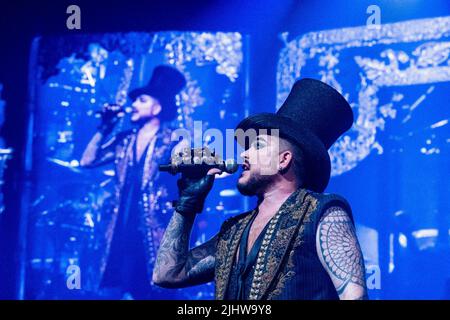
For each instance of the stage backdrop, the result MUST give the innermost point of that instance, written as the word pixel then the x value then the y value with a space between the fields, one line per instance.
pixel 393 165
pixel 64 216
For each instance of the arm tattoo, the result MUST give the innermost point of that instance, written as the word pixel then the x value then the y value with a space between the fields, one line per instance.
pixel 340 254
pixel 98 153
pixel 175 265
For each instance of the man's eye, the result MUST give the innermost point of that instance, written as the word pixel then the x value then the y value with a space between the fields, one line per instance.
pixel 259 145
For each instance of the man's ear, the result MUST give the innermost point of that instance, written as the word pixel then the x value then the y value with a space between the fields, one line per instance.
pixel 156 108
pixel 286 158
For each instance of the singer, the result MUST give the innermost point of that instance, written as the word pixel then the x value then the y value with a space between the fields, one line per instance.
pixel 138 216
pixel 298 243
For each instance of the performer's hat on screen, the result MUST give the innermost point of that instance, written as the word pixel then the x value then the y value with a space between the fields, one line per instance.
pixel 166 82
pixel 313 116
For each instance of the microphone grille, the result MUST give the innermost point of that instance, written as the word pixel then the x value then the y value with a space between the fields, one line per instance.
pixel 231 166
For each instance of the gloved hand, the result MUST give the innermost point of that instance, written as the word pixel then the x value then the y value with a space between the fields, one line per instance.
pixel 109 117
pixel 192 193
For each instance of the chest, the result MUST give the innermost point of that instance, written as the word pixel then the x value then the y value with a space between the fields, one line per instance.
pixel 141 144
pixel 255 231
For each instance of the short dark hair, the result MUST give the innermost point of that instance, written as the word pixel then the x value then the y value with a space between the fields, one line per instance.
pixel 298 159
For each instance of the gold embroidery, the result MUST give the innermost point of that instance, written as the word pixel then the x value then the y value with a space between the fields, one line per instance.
pixel 275 244
pixel 260 277
pixel 226 251
pixel 280 241
pixel 309 203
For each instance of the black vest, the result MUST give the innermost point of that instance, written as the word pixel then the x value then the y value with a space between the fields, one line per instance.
pixel 287 266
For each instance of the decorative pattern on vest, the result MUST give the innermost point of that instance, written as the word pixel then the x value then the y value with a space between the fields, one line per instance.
pixel 279 271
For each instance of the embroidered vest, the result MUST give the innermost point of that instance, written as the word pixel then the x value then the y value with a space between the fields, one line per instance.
pixel 287 266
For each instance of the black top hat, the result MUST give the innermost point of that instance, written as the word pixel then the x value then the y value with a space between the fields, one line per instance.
pixel 166 82
pixel 313 116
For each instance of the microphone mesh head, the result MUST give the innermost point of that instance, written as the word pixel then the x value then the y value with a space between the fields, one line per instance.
pixel 231 166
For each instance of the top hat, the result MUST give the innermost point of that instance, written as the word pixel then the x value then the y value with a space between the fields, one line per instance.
pixel 313 117
pixel 166 82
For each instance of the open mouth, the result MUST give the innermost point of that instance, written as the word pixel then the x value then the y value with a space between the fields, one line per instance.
pixel 245 167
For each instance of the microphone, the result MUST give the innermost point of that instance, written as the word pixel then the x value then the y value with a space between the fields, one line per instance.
pixel 199 169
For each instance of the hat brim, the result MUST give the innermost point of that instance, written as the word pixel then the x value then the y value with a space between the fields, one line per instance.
pixel 317 162
pixel 169 107
pixel 134 94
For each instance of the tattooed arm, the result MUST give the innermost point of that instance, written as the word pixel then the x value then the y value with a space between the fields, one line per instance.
pixel 177 266
pixel 339 252
pixel 97 152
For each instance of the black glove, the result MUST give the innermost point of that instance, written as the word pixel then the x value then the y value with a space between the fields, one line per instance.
pixel 109 117
pixel 192 194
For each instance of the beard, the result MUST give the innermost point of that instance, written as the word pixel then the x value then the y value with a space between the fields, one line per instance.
pixel 255 185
